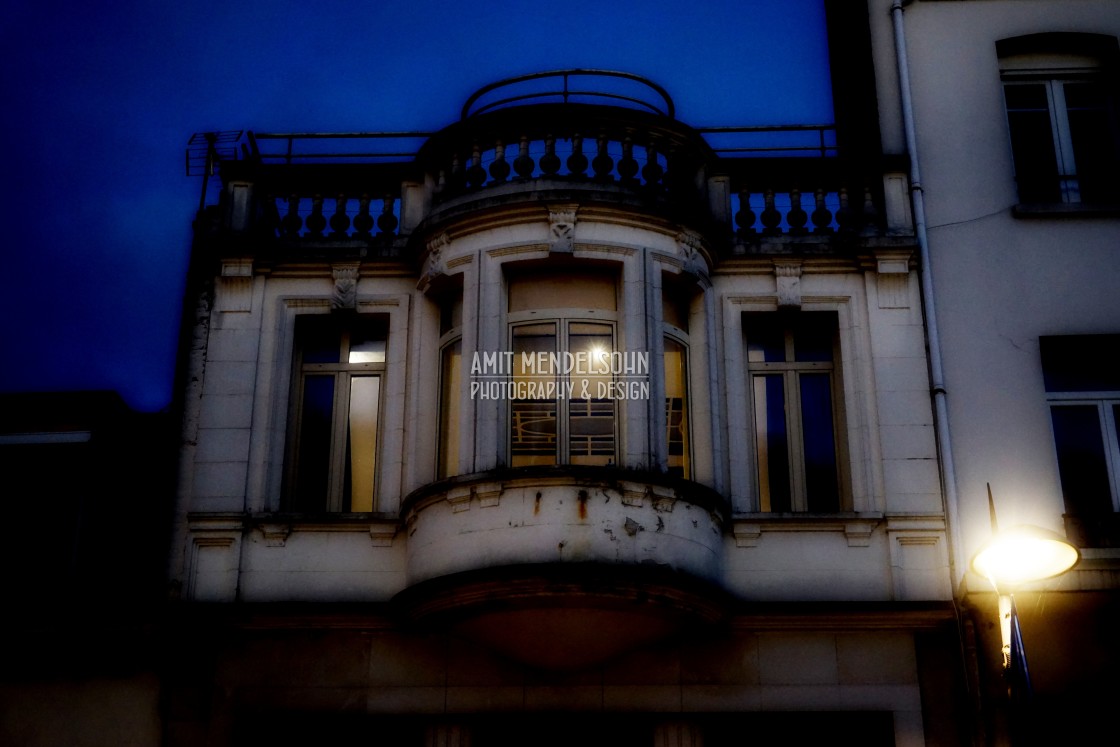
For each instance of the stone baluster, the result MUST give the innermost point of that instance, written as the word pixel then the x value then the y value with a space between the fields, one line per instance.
pixel 387 222
pixel 458 180
pixel 523 164
pixel 363 221
pixel 292 222
pixel 316 222
pixel 652 171
pixel 577 162
pixel 476 175
pixel 822 216
pixel 771 218
pixel 844 213
pixel 603 164
pixel 796 217
pixel 627 165
pixel 340 221
pixel 550 162
pixel 499 168
pixel 744 216
pixel 870 217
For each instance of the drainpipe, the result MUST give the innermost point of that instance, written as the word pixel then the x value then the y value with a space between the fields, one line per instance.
pixel 937 374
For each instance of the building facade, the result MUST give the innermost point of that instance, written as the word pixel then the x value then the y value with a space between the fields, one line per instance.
pixel 576 424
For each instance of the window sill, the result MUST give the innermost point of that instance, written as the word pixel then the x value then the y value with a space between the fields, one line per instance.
pixel 276 528
pixel 857 527
pixel 1064 210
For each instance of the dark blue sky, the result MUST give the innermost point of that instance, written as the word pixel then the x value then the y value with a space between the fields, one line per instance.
pixel 100 99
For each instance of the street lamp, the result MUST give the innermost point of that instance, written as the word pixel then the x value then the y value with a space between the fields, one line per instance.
pixel 1013 557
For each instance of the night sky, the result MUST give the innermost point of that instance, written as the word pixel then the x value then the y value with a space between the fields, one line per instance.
pixel 101 98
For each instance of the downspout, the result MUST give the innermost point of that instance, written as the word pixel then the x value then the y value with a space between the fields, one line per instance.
pixel 937 374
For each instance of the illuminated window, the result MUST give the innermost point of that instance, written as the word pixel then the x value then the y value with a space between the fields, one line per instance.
pixel 791 361
pixel 340 362
pixel 674 317
pixel 562 334
pixel 1062 117
pixel 1083 388
pixel 676 406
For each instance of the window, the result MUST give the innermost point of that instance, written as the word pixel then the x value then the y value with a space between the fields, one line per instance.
pixel 562 333
pixel 791 364
pixel 1083 389
pixel 340 362
pixel 1059 90
pixel 674 317
pixel 450 381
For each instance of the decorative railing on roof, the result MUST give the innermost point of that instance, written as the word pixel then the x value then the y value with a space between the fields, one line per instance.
pixel 592 129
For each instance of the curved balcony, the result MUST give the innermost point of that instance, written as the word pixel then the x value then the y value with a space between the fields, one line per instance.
pixel 593 561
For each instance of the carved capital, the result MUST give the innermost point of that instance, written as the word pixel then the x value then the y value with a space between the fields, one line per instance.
pixel 788 283
pixel 561 228
pixel 435 265
pixel 747 535
pixel 634 493
pixel 689 246
pixel 345 294
pixel 381 535
pixel 488 493
pixel 275 535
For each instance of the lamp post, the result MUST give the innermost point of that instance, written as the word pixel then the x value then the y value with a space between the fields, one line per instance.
pixel 1011 558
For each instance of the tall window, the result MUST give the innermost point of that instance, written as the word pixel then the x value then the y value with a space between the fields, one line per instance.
pixel 674 316
pixel 791 361
pixel 340 361
pixel 450 381
pixel 1062 117
pixel 562 333
pixel 1083 388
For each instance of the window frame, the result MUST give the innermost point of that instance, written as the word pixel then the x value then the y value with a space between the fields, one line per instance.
pixel 790 371
pixel 343 373
pixel 1054 61
pixel 563 319
pixel 1106 404
pixel 676 335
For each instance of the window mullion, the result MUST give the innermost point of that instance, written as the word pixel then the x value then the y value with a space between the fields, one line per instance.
pixel 341 422
pixel 798 499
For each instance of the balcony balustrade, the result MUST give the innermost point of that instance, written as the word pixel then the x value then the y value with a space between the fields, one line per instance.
pixel 742 186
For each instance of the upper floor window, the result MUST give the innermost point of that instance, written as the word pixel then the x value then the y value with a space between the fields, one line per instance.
pixel 791 362
pixel 557 318
pixel 336 394
pixel 1060 95
pixel 1083 389
pixel 450 381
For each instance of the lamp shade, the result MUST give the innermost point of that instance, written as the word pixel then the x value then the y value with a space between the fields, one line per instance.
pixel 1022 554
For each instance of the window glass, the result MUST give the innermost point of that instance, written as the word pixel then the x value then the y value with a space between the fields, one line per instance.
pixel 676 407
pixel 1082 378
pixel 792 369
pixel 450 382
pixel 337 384
pixel 1061 114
